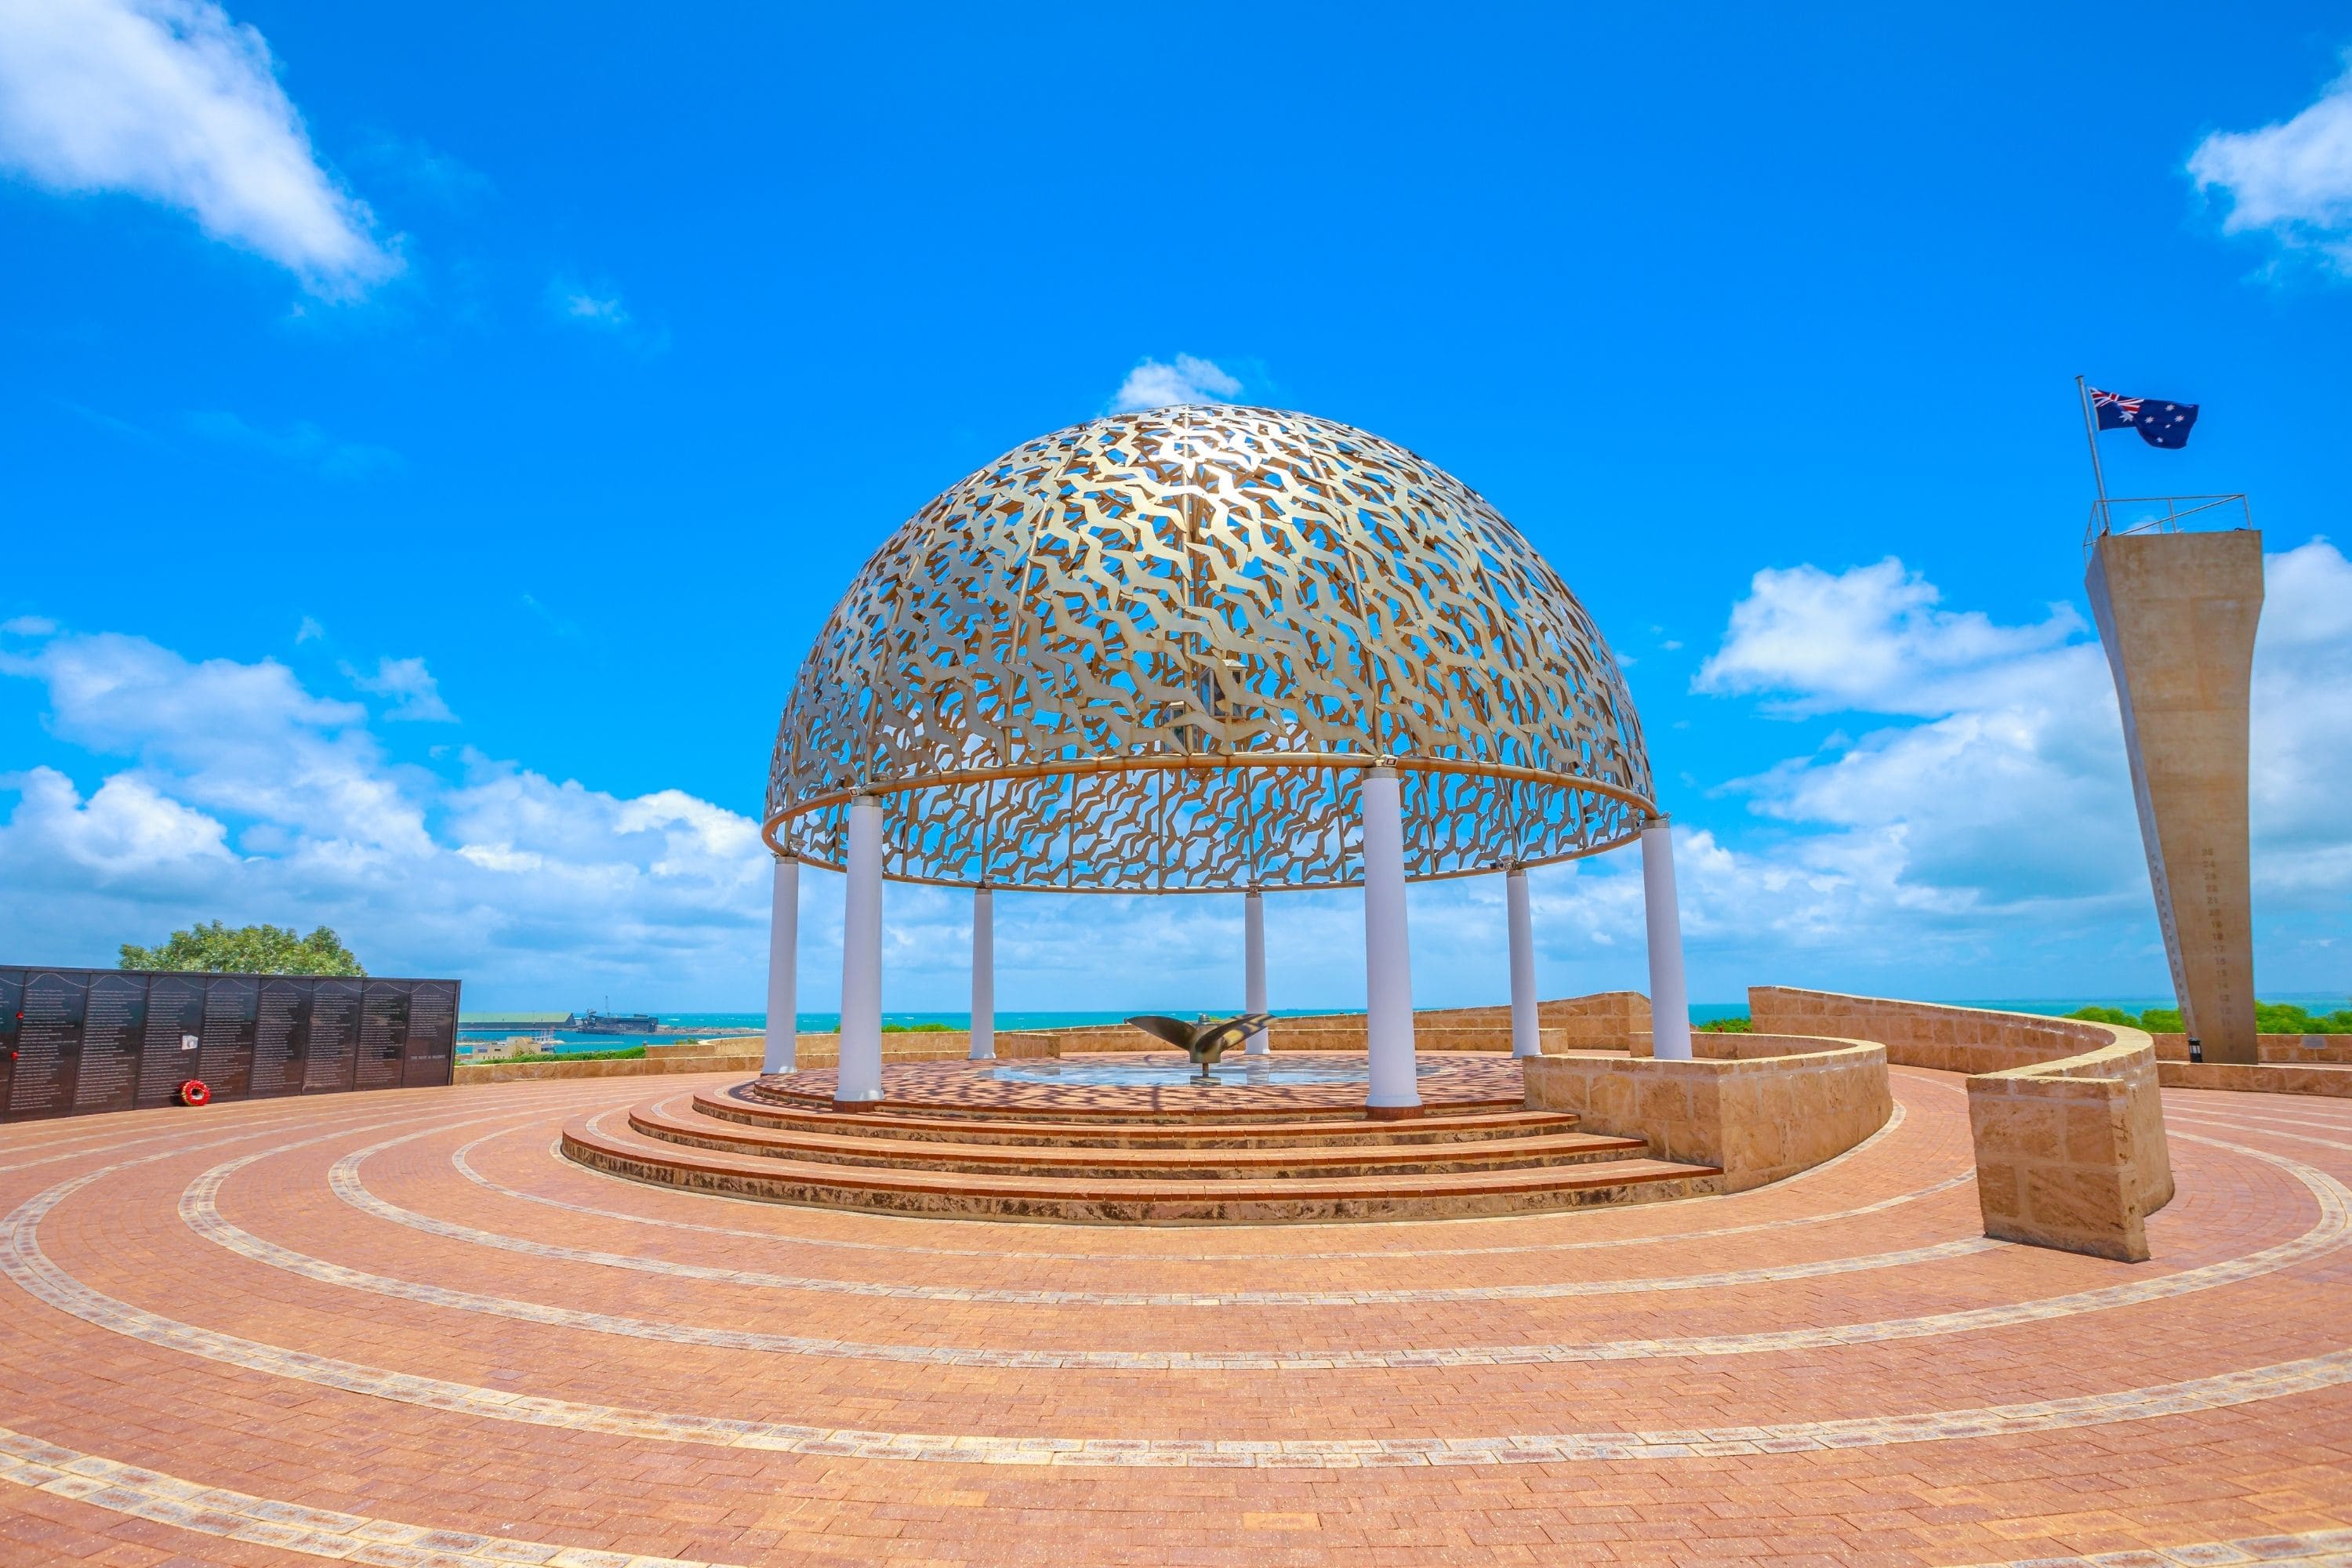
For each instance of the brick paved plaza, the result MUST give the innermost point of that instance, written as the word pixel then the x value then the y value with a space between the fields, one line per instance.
pixel 401 1330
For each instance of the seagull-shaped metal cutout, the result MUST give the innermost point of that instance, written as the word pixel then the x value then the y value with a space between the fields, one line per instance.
pixel 1205 1041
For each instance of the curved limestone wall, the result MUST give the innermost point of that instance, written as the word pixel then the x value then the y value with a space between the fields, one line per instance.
pixel 2072 1154
pixel 1759 1108
pixel 2067 1116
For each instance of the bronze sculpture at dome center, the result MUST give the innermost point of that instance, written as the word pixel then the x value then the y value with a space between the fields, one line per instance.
pixel 1204 1042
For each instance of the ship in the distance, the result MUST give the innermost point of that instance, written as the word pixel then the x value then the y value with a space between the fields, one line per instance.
pixel 595 1023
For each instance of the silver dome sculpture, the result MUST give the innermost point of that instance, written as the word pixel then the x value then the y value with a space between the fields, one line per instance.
pixel 1154 652
pixel 1207 649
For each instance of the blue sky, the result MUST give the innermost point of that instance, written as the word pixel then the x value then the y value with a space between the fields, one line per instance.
pixel 431 439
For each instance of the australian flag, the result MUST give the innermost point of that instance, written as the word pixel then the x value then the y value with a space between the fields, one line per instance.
pixel 2158 423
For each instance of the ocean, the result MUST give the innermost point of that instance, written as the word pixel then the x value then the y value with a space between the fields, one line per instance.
pixel 1701 1013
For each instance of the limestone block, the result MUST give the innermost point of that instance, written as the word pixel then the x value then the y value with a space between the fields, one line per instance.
pixel 2061 1160
pixel 1757 1119
pixel 2284 1049
pixel 2000 1195
pixel 2328 1080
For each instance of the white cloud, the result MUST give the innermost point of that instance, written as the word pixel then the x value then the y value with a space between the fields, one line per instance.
pixel 172 100
pixel 417 693
pixel 561 626
pixel 597 310
pixel 1151 385
pixel 126 828
pixel 2012 790
pixel 1870 638
pixel 1997 826
pixel 239 738
pixel 1972 835
pixel 233 792
pixel 2293 179
pixel 2302 724
pixel 2022 799
pixel 309 630
pixel 301 443
pixel 28 626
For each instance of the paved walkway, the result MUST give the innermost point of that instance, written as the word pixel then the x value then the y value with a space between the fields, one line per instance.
pixel 396 1329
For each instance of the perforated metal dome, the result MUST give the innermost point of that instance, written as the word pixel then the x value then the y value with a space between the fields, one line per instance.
pixel 1154 652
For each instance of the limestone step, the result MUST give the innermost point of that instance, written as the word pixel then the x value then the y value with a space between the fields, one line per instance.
pixel 734 1105
pixel 772 1091
pixel 1531 1149
pixel 1130 1200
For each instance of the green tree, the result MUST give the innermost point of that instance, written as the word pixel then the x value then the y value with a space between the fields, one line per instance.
pixel 2286 1018
pixel 247 949
pixel 2270 1019
pixel 2281 1018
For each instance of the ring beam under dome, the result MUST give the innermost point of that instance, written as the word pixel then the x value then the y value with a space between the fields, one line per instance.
pixel 1154 652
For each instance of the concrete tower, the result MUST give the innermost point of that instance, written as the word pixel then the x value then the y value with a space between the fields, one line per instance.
pixel 2177 612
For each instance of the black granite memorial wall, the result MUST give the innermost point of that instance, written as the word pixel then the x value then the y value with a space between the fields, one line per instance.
pixel 334 1035
pixel 79 1040
pixel 167 1047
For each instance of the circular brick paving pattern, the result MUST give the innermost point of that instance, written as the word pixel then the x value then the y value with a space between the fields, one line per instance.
pixel 399 1328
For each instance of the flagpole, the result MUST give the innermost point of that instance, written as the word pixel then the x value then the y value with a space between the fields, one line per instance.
pixel 2091 433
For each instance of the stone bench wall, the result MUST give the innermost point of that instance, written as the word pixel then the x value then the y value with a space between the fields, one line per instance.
pixel 921 1046
pixel 1924 1033
pixel 2067 1115
pixel 1758 1107
pixel 1608 1020
pixel 1335 1032
pixel 2072 1154
pixel 2330 1079
pixel 640 1067
pixel 2295 1050
pixel 745 1053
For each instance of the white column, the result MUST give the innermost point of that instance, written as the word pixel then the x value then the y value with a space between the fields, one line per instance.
pixel 1669 1001
pixel 1254 965
pixel 983 974
pixel 1526 1028
pixel 860 1077
pixel 783 958
pixel 1388 958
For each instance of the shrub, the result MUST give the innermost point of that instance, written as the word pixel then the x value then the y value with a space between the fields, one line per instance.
pixel 2270 1019
pixel 248 950
pixel 2286 1018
